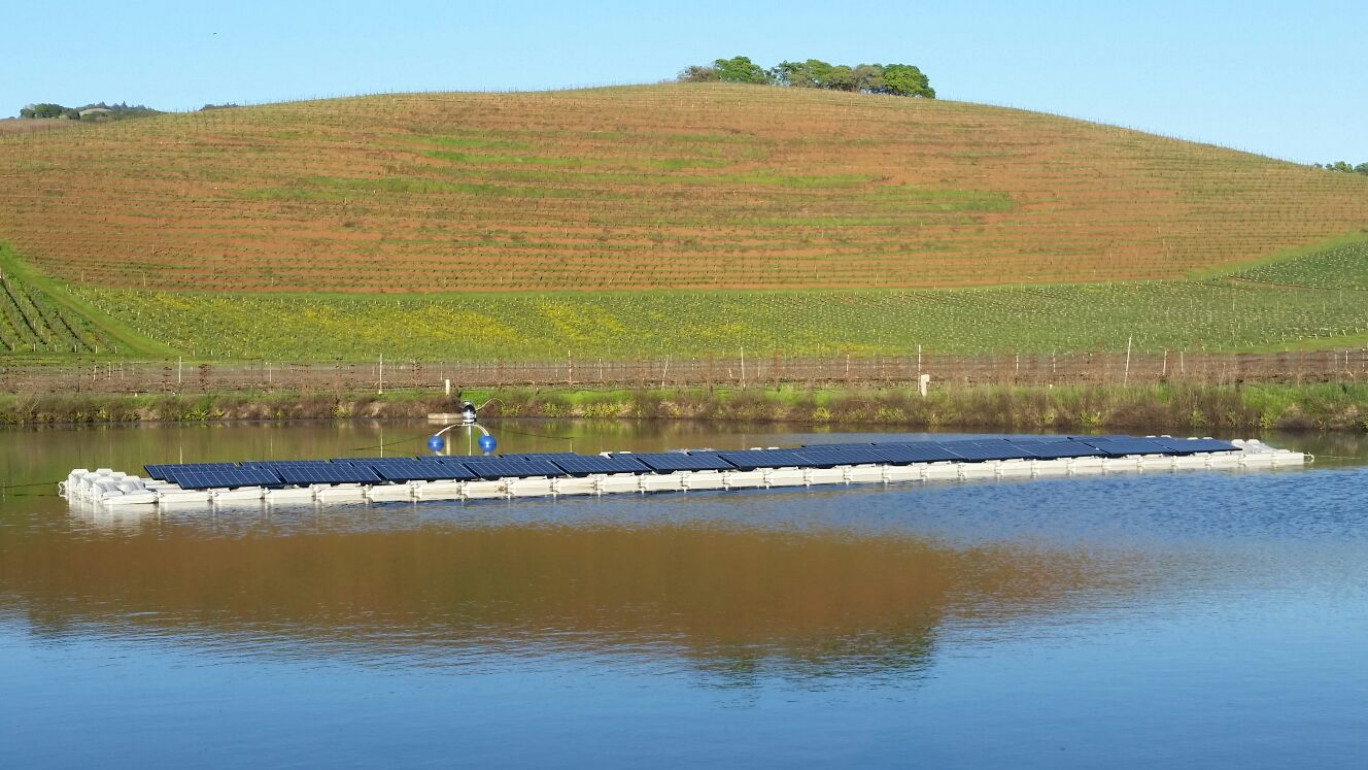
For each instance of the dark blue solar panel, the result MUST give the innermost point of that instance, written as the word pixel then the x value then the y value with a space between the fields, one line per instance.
pixel 166 472
pixel 427 472
pixel 370 460
pixel 214 479
pixel 409 469
pixel 552 456
pixel 1055 450
pixel 327 473
pixel 851 455
pixel 277 464
pixel 980 451
pixel 579 465
pixel 865 444
pixel 918 452
pixel 458 459
pixel 499 468
pixel 765 458
pixel 1120 447
pixel 1187 446
pixel 678 461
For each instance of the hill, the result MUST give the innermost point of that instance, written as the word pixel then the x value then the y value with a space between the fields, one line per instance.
pixel 675 219
pixel 669 186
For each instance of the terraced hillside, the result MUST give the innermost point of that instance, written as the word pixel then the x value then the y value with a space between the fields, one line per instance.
pixel 1317 299
pixel 657 187
pixel 38 321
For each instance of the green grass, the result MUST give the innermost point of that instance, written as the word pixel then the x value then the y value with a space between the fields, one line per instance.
pixel 1338 268
pixel 1314 299
pixel 1317 300
pixel 41 321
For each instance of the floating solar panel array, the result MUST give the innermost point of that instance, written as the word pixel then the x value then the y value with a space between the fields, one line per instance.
pixel 376 470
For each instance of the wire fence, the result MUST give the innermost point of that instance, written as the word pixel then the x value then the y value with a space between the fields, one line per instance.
pixel 180 377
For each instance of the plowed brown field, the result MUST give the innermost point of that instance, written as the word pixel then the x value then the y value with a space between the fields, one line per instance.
pixel 669 186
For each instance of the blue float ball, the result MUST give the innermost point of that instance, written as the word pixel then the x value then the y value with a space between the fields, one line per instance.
pixel 436 443
pixel 488 444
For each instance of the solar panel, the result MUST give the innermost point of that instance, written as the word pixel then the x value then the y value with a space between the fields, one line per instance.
pixel 165 472
pixel 919 452
pixel 981 451
pixel 499 468
pixel 1120 447
pixel 765 458
pixel 578 465
pixel 239 477
pixel 840 445
pixel 1187 446
pixel 1055 450
pixel 369 460
pixel 678 461
pixel 470 459
pixel 552 456
pixel 327 473
pixel 852 455
pixel 286 464
pixel 410 469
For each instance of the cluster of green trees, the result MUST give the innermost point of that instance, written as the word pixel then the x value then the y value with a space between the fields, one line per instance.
pixel 893 79
pixel 1343 167
pixel 90 112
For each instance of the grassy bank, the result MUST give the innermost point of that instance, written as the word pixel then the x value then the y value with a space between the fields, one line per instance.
pixel 1187 409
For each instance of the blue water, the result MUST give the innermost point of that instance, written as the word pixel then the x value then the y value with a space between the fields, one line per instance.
pixel 1193 619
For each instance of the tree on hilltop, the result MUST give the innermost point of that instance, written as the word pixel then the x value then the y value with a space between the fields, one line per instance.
pixel 740 69
pixel 907 80
pixel 1344 168
pixel 891 79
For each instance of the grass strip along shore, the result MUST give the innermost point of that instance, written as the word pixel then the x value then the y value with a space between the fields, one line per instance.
pixel 1184 408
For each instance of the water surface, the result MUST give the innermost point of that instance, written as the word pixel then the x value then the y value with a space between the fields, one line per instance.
pixel 1194 619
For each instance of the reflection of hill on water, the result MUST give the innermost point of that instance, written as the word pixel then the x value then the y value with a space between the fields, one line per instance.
pixel 729 600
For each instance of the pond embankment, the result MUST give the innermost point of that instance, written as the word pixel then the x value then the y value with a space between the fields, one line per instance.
pixel 1184 408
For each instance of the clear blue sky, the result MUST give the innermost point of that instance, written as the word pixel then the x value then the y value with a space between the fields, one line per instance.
pixel 1287 79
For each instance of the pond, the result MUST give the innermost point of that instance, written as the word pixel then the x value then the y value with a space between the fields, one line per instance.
pixel 1210 619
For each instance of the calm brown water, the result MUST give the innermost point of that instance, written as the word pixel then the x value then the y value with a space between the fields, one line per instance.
pixel 1198 619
